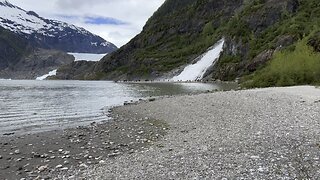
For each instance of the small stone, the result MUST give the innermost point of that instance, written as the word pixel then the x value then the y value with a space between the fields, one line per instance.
pixel 114 154
pixel 64 169
pixel 17 151
pixel 43 168
pixel 66 162
pixel 1 157
pixel 255 157
pixel 102 162
pixel 60 150
pixel 66 152
pixel 44 156
pixel 152 99
pixel 83 165
pixel 36 155
pixel 58 166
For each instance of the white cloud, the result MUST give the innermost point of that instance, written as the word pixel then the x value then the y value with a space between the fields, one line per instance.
pixel 134 13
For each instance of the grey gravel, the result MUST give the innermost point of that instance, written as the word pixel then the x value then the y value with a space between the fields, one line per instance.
pixel 255 134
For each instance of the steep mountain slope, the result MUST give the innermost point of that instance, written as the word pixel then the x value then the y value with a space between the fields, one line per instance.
pixel 20 60
pixel 12 48
pixel 254 31
pixel 51 34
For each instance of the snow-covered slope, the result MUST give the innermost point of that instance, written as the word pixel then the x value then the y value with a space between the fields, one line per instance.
pixel 51 34
pixel 51 73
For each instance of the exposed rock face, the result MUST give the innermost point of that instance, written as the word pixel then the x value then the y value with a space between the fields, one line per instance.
pixel 20 60
pixel 314 42
pixel 75 70
pixel 37 63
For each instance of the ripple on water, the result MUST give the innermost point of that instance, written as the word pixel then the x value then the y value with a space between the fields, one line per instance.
pixel 35 106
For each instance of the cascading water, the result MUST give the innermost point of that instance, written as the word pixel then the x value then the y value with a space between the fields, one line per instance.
pixel 194 72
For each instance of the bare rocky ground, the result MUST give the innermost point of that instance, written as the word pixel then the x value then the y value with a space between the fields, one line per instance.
pixel 44 155
pixel 255 134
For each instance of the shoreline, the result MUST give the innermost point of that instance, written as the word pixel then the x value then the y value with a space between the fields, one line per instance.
pixel 44 155
pixel 234 134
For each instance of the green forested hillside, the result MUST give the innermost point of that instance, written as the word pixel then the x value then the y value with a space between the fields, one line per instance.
pixel 256 31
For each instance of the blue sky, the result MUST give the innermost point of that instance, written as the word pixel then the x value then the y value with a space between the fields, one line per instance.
pixel 103 21
pixel 115 20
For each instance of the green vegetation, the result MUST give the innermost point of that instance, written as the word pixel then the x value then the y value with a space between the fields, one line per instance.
pixel 298 67
pixel 182 30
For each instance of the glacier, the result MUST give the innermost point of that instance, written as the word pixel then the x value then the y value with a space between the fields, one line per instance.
pixel 196 71
pixel 87 56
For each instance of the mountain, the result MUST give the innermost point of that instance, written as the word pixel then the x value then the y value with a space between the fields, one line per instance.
pixel 31 46
pixel 20 60
pixel 267 43
pixel 50 34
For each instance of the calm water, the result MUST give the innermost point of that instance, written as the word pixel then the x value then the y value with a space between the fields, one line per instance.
pixel 35 106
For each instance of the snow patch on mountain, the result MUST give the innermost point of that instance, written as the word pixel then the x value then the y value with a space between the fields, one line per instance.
pixel 51 73
pixel 18 20
pixel 50 33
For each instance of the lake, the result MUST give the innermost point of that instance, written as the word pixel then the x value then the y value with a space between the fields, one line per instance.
pixel 37 106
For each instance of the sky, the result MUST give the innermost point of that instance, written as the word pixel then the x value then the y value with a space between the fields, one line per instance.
pixel 117 21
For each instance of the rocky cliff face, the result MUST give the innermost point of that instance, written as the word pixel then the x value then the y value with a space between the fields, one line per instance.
pixel 20 60
pixel 36 64
pixel 182 30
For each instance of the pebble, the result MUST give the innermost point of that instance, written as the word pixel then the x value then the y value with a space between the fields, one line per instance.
pixel 83 166
pixel 64 169
pixel 43 168
pixel 102 162
pixel 1 157
pixel 58 166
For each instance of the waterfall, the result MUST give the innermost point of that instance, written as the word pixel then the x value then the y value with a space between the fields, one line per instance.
pixel 196 71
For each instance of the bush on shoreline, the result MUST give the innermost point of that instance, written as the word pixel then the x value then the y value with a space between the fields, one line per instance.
pixel 294 66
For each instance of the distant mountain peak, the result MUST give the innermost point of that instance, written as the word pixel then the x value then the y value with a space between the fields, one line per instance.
pixel 51 34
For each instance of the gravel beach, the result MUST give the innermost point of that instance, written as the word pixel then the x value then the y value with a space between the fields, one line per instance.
pixel 271 133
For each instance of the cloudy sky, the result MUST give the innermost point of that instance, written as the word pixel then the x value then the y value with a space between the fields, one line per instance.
pixel 115 20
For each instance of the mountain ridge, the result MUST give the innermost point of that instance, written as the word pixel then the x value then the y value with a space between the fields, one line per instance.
pixel 259 36
pixel 51 34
